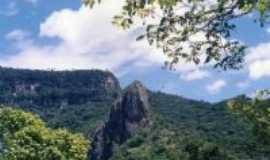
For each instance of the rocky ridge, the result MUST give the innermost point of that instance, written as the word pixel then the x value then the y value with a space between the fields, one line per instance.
pixel 130 112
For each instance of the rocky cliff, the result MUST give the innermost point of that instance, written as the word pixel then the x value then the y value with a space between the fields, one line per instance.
pixel 38 88
pixel 76 99
pixel 130 112
pixel 79 100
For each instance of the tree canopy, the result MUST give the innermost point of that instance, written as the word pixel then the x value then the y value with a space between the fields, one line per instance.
pixel 257 112
pixel 23 136
pixel 196 31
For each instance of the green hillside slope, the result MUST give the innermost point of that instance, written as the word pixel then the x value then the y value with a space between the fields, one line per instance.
pixel 180 128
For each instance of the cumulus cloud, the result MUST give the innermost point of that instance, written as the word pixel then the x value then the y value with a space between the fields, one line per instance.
pixel 215 87
pixel 195 75
pixel 258 61
pixel 87 39
pixel 259 69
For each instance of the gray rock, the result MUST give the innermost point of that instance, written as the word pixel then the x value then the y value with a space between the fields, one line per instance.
pixel 130 112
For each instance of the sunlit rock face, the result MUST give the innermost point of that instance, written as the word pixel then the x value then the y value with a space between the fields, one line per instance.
pixel 130 112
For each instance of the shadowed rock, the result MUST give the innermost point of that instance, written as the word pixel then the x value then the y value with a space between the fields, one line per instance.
pixel 129 113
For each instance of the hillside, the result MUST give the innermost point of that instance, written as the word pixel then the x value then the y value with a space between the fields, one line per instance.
pixel 72 99
pixel 212 122
pixel 131 123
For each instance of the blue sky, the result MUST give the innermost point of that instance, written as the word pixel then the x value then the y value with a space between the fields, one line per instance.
pixel 38 34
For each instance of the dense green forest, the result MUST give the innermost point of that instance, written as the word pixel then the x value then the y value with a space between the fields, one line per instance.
pixel 177 128
pixel 74 99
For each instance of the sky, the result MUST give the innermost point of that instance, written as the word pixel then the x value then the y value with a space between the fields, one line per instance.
pixel 64 35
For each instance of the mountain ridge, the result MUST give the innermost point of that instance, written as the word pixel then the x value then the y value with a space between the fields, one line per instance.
pixel 89 100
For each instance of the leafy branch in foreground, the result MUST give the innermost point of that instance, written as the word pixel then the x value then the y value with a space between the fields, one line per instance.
pixel 197 31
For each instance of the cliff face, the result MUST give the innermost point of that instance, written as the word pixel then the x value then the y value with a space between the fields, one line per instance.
pixel 129 113
pixel 79 100
pixel 39 88
pixel 76 100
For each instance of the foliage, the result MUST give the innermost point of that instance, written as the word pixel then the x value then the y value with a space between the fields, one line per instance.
pixel 172 25
pixel 25 137
pixel 214 123
pixel 164 144
pixel 256 112
pixel 153 147
pixel 180 124
pixel 58 97
pixel 56 88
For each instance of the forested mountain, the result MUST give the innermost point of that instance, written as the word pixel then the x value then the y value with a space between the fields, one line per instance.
pixel 132 123
pixel 73 99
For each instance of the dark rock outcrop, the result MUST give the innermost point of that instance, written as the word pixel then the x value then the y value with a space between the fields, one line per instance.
pixel 130 112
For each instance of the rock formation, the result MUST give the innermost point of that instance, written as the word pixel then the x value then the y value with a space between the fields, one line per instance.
pixel 130 112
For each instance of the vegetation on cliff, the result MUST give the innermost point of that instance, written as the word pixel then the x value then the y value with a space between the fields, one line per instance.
pixel 133 123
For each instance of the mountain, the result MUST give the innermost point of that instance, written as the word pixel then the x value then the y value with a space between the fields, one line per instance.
pixel 73 99
pixel 132 123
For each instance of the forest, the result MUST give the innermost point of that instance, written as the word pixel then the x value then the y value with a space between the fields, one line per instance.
pixel 135 80
pixel 179 128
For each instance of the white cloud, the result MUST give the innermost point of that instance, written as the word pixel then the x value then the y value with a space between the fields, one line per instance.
pixel 258 61
pixel 20 39
pixel 259 69
pixel 215 87
pixel 195 75
pixel 268 30
pixel 17 35
pixel 81 27
pixel 88 40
